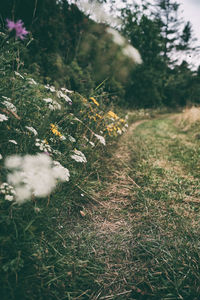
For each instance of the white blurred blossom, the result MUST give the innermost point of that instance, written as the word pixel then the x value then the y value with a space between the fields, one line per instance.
pixel 31 81
pixel 66 90
pixel 60 94
pixel 36 175
pixel 43 145
pixel 31 129
pixel 19 75
pixel 71 139
pixel 8 191
pixel 79 156
pixel 3 118
pixel 101 139
pixel 13 142
pixel 9 106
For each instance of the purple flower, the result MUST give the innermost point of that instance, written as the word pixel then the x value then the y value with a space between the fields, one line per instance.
pixel 19 29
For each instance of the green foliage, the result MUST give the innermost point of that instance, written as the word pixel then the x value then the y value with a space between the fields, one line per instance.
pixel 38 119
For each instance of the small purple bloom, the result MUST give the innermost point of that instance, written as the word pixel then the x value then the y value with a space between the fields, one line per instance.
pixel 19 29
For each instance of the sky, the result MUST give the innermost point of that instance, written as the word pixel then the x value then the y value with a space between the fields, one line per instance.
pixel 191 12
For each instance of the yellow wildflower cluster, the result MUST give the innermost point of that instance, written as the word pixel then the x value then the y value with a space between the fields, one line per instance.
pixel 55 131
pixel 112 115
pixel 94 101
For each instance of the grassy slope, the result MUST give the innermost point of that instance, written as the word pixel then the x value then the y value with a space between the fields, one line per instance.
pixel 139 236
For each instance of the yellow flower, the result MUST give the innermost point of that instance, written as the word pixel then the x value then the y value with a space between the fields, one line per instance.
pixel 111 114
pixel 45 141
pixel 55 131
pixel 94 101
pixel 98 116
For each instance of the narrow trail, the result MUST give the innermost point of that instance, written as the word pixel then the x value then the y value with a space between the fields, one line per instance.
pixel 139 238
pixel 146 196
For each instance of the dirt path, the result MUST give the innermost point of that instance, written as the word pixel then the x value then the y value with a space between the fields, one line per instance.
pixel 148 194
pixel 139 238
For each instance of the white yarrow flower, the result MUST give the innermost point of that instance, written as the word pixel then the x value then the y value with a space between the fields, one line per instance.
pixel 72 139
pixel 9 106
pixel 19 75
pixel 13 142
pixel 35 176
pixel 78 156
pixel 101 139
pixel 33 130
pixel 31 81
pixel 3 118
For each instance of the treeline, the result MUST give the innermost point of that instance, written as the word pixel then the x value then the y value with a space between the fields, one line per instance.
pixel 69 49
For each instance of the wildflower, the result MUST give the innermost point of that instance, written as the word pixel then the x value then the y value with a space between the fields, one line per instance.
pixel 3 118
pixel 21 31
pixel 53 104
pixel 13 162
pixel 19 75
pixel 101 139
pixel 9 197
pixel 1 156
pixel 72 139
pixel 94 101
pixel 32 130
pixel 9 106
pixel 51 88
pixel 112 115
pixel 6 98
pixel 79 156
pixel 13 141
pixel 8 191
pixel 31 81
pixel 43 145
pixel 92 144
pixel 60 172
pixel 60 94
pixel 66 90
pixel 36 175
pixel 54 130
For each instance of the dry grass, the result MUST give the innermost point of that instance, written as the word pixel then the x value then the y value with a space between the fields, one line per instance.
pixel 188 117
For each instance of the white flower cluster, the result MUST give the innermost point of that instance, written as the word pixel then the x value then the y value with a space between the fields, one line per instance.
pixel 12 141
pixel 31 81
pixel 18 74
pixel 9 106
pixel 52 104
pixel 66 90
pixel 91 143
pixel 71 139
pixel 3 118
pixel 43 146
pixel 51 88
pixel 79 156
pixel 101 139
pixel 34 175
pixel 60 94
pixel 8 191
pixel 31 129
